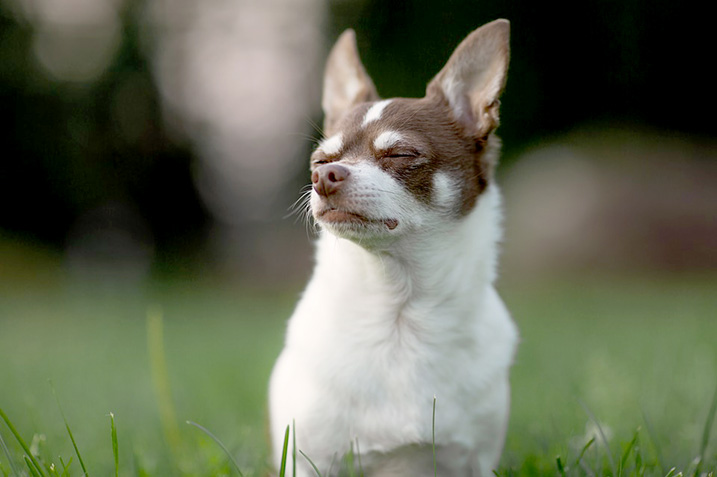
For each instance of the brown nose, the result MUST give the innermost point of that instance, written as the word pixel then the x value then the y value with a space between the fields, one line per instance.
pixel 328 178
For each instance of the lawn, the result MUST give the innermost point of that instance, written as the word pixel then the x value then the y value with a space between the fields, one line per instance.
pixel 632 357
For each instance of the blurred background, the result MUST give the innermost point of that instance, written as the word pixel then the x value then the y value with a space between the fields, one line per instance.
pixel 150 137
pixel 151 151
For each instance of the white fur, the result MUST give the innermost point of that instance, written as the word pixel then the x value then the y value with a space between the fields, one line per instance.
pixel 383 328
pixel 376 195
pixel 374 113
pixel 445 191
pixel 332 145
pixel 387 140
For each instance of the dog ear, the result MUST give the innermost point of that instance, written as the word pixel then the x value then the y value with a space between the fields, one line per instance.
pixel 474 77
pixel 346 82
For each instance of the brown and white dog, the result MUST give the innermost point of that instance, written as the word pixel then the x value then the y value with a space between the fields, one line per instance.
pixel 401 306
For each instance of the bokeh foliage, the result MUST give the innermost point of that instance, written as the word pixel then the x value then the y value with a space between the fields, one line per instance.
pixel 69 146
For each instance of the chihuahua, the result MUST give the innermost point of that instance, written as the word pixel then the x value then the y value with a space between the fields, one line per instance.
pixel 398 353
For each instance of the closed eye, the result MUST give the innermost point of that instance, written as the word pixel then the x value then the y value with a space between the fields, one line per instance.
pixel 399 152
pixel 318 158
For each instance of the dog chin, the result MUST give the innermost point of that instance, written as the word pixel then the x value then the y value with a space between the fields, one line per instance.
pixel 353 225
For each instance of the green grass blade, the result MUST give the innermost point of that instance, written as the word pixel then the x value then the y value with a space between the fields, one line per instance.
pixel 638 462
pixel 220 443
pixel 626 453
pixel 601 433
pixel 160 380
pixel 282 468
pixel 115 445
pixel 65 467
pixel 31 465
pixel 293 449
pixel 706 433
pixel 561 467
pixel 22 443
pixel 433 437
pixel 13 469
pixel 583 451
pixel 69 431
pixel 311 463
pixel 349 461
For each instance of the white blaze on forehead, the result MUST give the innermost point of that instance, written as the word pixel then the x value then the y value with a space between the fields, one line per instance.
pixel 445 190
pixel 332 145
pixel 387 140
pixel 375 111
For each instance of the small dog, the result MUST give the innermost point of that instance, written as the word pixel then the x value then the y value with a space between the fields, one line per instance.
pixel 401 306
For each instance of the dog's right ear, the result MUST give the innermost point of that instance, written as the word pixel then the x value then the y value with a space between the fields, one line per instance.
pixel 474 77
pixel 346 82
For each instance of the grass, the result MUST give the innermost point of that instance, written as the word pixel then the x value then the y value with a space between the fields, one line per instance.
pixel 613 377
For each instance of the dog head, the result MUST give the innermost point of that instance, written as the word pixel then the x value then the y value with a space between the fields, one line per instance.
pixel 396 166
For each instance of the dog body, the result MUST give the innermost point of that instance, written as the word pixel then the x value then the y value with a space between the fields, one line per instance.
pixel 401 306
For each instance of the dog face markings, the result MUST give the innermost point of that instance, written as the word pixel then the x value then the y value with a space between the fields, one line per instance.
pixel 374 113
pixel 331 146
pixel 411 140
pixel 445 191
pixel 386 140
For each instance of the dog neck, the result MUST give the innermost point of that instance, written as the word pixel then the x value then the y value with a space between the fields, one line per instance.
pixel 444 264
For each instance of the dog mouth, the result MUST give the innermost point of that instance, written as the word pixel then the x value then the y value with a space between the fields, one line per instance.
pixel 335 216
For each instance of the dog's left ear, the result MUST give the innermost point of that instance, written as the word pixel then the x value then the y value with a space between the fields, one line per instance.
pixel 346 82
pixel 474 77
